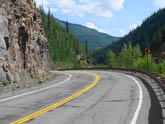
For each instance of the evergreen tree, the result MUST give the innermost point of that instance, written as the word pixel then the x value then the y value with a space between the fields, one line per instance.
pixel 86 50
pixel 63 47
pixel 67 26
pixel 163 35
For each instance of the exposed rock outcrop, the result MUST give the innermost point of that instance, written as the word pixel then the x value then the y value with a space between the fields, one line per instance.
pixel 23 45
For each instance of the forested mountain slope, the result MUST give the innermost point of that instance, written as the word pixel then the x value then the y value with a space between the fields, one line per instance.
pixel 63 46
pixel 95 39
pixel 151 34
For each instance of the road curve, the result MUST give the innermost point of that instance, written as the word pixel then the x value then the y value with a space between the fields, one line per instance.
pixel 115 99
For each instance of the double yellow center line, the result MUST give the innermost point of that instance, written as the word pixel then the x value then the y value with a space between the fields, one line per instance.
pixel 31 116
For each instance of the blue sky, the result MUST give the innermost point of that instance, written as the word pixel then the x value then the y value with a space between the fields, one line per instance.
pixel 115 17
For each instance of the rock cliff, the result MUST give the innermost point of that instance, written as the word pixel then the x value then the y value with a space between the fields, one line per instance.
pixel 23 45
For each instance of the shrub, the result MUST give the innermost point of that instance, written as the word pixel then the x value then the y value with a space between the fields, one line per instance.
pixel 162 66
pixel 22 74
pixel 5 82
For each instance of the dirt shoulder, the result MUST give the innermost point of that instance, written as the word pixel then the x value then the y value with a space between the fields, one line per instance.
pixel 28 84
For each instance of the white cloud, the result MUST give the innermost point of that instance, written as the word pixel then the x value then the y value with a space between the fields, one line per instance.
pixel 92 26
pixel 84 7
pixel 159 3
pixel 122 32
pixel 52 10
pixel 65 11
pixel 133 26
pixel 41 2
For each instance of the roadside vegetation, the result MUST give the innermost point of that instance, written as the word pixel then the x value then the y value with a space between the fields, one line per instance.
pixel 125 60
pixel 5 82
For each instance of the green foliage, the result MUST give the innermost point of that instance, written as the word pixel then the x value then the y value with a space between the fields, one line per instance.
pixel 162 66
pixel 125 60
pixel 137 52
pixel 163 75
pixel 67 26
pixel 142 63
pixel 63 65
pixel 36 77
pixel 99 66
pixel 47 72
pixel 5 82
pixel 79 64
pixel 86 50
pixel 110 59
pixel 63 47
pixel 22 74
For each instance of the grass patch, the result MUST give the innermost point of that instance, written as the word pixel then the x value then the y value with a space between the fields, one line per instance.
pixel 36 77
pixel 48 72
pixel 163 75
pixel 69 65
pixel 22 74
pixel 63 65
pixel 5 82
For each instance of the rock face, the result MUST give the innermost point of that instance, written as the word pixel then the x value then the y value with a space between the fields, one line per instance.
pixel 3 34
pixel 23 45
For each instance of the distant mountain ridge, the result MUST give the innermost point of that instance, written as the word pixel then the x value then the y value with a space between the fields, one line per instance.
pixel 95 39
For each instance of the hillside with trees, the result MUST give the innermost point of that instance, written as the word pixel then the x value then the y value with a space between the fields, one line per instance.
pixel 95 39
pixel 63 46
pixel 131 57
pixel 151 34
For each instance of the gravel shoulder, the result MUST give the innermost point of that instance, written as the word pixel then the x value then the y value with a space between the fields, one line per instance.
pixel 29 84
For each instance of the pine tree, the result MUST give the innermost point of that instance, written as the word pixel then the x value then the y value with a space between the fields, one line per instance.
pixel 49 23
pixel 67 26
pixel 63 47
pixel 86 50
pixel 49 16
pixel 163 35
pixel 41 9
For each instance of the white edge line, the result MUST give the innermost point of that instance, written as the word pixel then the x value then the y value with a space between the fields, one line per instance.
pixel 35 91
pixel 136 114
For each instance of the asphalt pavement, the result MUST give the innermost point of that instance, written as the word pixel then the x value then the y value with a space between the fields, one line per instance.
pixel 116 99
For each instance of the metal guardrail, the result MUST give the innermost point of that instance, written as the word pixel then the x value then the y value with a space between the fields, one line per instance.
pixel 150 74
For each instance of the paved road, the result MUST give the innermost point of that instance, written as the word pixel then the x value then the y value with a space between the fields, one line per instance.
pixel 116 99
